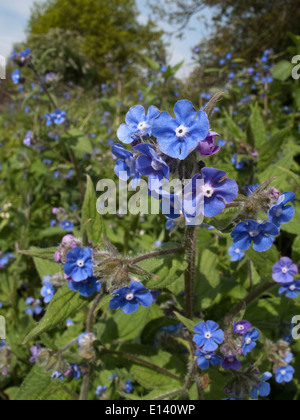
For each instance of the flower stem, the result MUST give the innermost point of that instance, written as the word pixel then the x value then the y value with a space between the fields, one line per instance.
pixel 191 249
pixel 157 254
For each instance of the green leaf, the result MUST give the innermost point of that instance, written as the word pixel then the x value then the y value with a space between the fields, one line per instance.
pixel 263 261
pixel 91 220
pixel 282 70
pixel 46 268
pixel 235 130
pixel 268 152
pixel 185 321
pixel 38 386
pixel 258 127
pixel 77 140
pixel 62 306
pixel 42 253
pixel 224 222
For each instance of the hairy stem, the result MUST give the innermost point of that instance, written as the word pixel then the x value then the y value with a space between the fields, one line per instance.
pixel 157 254
pixel 191 249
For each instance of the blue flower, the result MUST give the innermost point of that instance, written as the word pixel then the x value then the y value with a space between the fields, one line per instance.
pixel 284 271
pixel 179 137
pixel 47 291
pixel 264 389
pixel 58 117
pixel 75 370
pixel 128 387
pixel 16 76
pixel 79 265
pixel 241 327
pixel 205 359
pixel 231 363
pixel 235 253
pixel 238 165
pixel 152 165
pixel 262 235
pixel 125 168
pixel 208 336
pixel 86 288
pixel 291 291
pixel 217 191
pixel 66 225
pixel 138 124
pixel 130 298
pixel 34 306
pixel 57 376
pixel 250 341
pixel 48 119
pixel 281 213
pixel 170 224
pixel 100 390
pixel 284 374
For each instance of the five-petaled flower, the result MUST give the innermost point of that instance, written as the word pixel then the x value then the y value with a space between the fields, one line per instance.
pixel 284 271
pixel 205 359
pixel 261 234
pixel 79 265
pixel 47 291
pixel 291 290
pixel 284 374
pixel 241 327
pixel 179 137
pixel 208 336
pixel 130 298
pixel 236 254
pixel 281 213
pixel 138 124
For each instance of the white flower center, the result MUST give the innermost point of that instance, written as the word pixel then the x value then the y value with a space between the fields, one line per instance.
pixel 248 341
pixel 155 165
pixel 130 296
pixel 208 357
pixel 143 126
pixel 181 131
pixel 284 270
pixel 253 233
pixel 80 263
pixel 292 288
pixel 208 191
pixel 240 328
pixel 278 212
pixel 49 292
pixel 208 335
pixel 238 251
pixel 283 372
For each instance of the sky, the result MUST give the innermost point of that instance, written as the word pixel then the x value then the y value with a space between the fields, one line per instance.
pixel 14 15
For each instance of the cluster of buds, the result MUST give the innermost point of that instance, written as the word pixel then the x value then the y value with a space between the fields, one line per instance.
pixel 242 383
pixel 67 244
pixel 4 211
pixel 52 361
pixel 86 346
pixel 113 269
pixel 260 200
pixel 279 353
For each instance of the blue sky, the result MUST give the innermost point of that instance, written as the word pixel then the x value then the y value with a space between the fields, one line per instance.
pixel 15 13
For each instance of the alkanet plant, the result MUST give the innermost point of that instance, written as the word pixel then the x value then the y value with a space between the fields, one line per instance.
pixel 113 310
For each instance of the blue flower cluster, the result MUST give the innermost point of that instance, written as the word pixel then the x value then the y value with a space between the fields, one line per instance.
pixel 5 259
pixel 263 234
pixel 57 117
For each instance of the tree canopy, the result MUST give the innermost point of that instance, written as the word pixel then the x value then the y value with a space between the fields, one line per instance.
pixel 109 32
